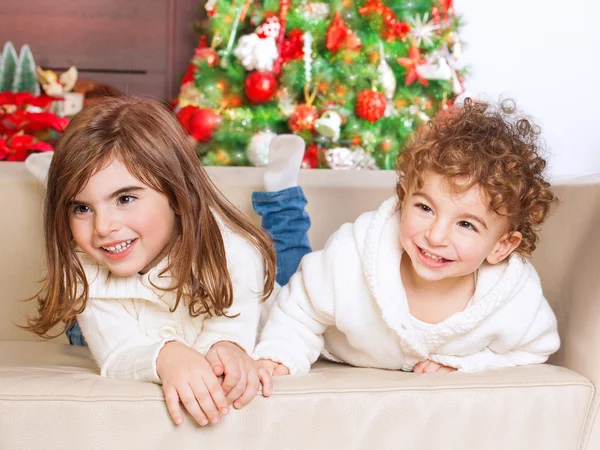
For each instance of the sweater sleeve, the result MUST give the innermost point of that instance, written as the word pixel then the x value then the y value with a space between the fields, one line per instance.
pixel 240 324
pixel 303 309
pixel 118 345
pixel 538 343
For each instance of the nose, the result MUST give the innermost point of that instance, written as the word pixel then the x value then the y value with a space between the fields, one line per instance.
pixel 437 234
pixel 105 224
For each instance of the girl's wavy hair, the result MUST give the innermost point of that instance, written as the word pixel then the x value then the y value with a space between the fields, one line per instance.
pixel 147 138
pixel 492 148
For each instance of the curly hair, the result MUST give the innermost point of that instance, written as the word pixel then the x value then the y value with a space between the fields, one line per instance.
pixel 492 148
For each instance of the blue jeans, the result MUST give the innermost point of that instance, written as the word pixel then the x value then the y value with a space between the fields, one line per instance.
pixel 286 221
pixel 284 218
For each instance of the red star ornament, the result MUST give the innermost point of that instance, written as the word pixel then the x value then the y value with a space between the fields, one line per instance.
pixel 410 64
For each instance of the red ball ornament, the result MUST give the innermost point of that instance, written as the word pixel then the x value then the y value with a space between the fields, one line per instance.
pixel 370 105
pixel 260 87
pixel 303 118
pixel 199 122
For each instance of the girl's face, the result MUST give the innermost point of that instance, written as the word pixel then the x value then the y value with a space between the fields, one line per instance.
pixel 120 222
pixel 450 235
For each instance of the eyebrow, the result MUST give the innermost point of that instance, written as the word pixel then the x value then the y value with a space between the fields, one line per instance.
pixel 117 193
pixel 124 190
pixel 465 215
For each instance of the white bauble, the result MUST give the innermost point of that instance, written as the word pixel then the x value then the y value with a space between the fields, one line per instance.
pixel 258 148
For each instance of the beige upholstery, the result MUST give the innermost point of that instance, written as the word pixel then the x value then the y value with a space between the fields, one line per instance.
pixel 51 396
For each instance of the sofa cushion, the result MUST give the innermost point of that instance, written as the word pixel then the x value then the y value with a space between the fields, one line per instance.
pixel 51 396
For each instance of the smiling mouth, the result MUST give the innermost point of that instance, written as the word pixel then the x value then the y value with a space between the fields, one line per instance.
pixel 432 256
pixel 121 247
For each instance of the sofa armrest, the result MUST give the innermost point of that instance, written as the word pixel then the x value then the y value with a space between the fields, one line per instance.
pixel 567 261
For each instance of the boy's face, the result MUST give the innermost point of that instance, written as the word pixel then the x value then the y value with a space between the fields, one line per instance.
pixel 449 235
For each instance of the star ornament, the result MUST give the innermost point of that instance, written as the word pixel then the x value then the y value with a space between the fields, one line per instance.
pixel 410 64
pixel 422 30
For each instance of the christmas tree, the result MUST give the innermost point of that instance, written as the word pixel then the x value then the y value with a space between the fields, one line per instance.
pixel 9 68
pixel 354 78
pixel 25 77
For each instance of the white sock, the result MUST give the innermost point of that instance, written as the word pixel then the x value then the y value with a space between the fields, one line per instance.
pixel 285 157
pixel 39 164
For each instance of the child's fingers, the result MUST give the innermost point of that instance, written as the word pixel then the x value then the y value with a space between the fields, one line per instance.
pixel 172 401
pixel 233 376
pixel 215 362
pixel 190 399
pixel 419 367
pixel 280 370
pixel 216 397
pixel 237 391
pixel 252 386
pixel 431 367
pixel 266 380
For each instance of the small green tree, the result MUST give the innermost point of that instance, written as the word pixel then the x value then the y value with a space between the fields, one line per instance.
pixel 9 67
pixel 25 79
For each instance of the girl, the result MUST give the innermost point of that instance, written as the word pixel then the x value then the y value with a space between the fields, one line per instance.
pixel 164 275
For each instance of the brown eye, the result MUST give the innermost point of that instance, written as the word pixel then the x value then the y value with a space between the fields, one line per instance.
pixel 81 209
pixel 467 225
pixel 125 199
pixel 423 207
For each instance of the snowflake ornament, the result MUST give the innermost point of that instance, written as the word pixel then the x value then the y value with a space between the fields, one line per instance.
pixel 422 30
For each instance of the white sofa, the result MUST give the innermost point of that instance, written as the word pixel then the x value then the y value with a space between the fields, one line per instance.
pixel 52 396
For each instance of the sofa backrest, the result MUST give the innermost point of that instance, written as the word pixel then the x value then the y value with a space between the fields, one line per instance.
pixel 335 197
pixel 566 258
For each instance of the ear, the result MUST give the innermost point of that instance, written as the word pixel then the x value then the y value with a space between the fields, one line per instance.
pixel 504 247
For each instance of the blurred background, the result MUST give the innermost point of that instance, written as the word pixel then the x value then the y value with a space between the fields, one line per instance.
pixel 542 53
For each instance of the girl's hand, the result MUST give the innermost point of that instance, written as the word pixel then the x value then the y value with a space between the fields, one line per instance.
pixel 430 366
pixel 241 374
pixel 186 375
pixel 274 368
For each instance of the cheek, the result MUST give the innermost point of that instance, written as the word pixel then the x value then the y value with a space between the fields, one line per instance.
pixel 470 249
pixel 79 232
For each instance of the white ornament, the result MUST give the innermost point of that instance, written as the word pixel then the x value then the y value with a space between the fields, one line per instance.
pixel 342 158
pixel 329 125
pixel 269 29
pixel 314 11
pixel 210 6
pixel 307 49
pixel 422 30
pixel 256 53
pixel 435 68
pixel 387 78
pixel 258 148
pixel 285 102
pixel 454 65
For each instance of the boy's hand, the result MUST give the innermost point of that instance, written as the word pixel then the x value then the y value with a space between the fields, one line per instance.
pixel 242 376
pixel 186 375
pixel 274 368
pixel 430 366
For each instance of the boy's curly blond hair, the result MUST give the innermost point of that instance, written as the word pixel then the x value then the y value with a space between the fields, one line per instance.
pixel 494 149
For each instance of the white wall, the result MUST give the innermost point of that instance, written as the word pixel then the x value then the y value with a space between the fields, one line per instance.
pixel 546 55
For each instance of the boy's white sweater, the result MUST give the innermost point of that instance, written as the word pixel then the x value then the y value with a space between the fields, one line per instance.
pixel 348 303
pixel 127 320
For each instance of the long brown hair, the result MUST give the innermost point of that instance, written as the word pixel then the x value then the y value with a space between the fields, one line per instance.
pixel 147 138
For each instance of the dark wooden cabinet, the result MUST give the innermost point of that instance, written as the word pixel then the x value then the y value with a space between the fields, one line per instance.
pixel 140 47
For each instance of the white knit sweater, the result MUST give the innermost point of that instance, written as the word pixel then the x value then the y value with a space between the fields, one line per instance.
pixel 348 303
pixel 127 321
